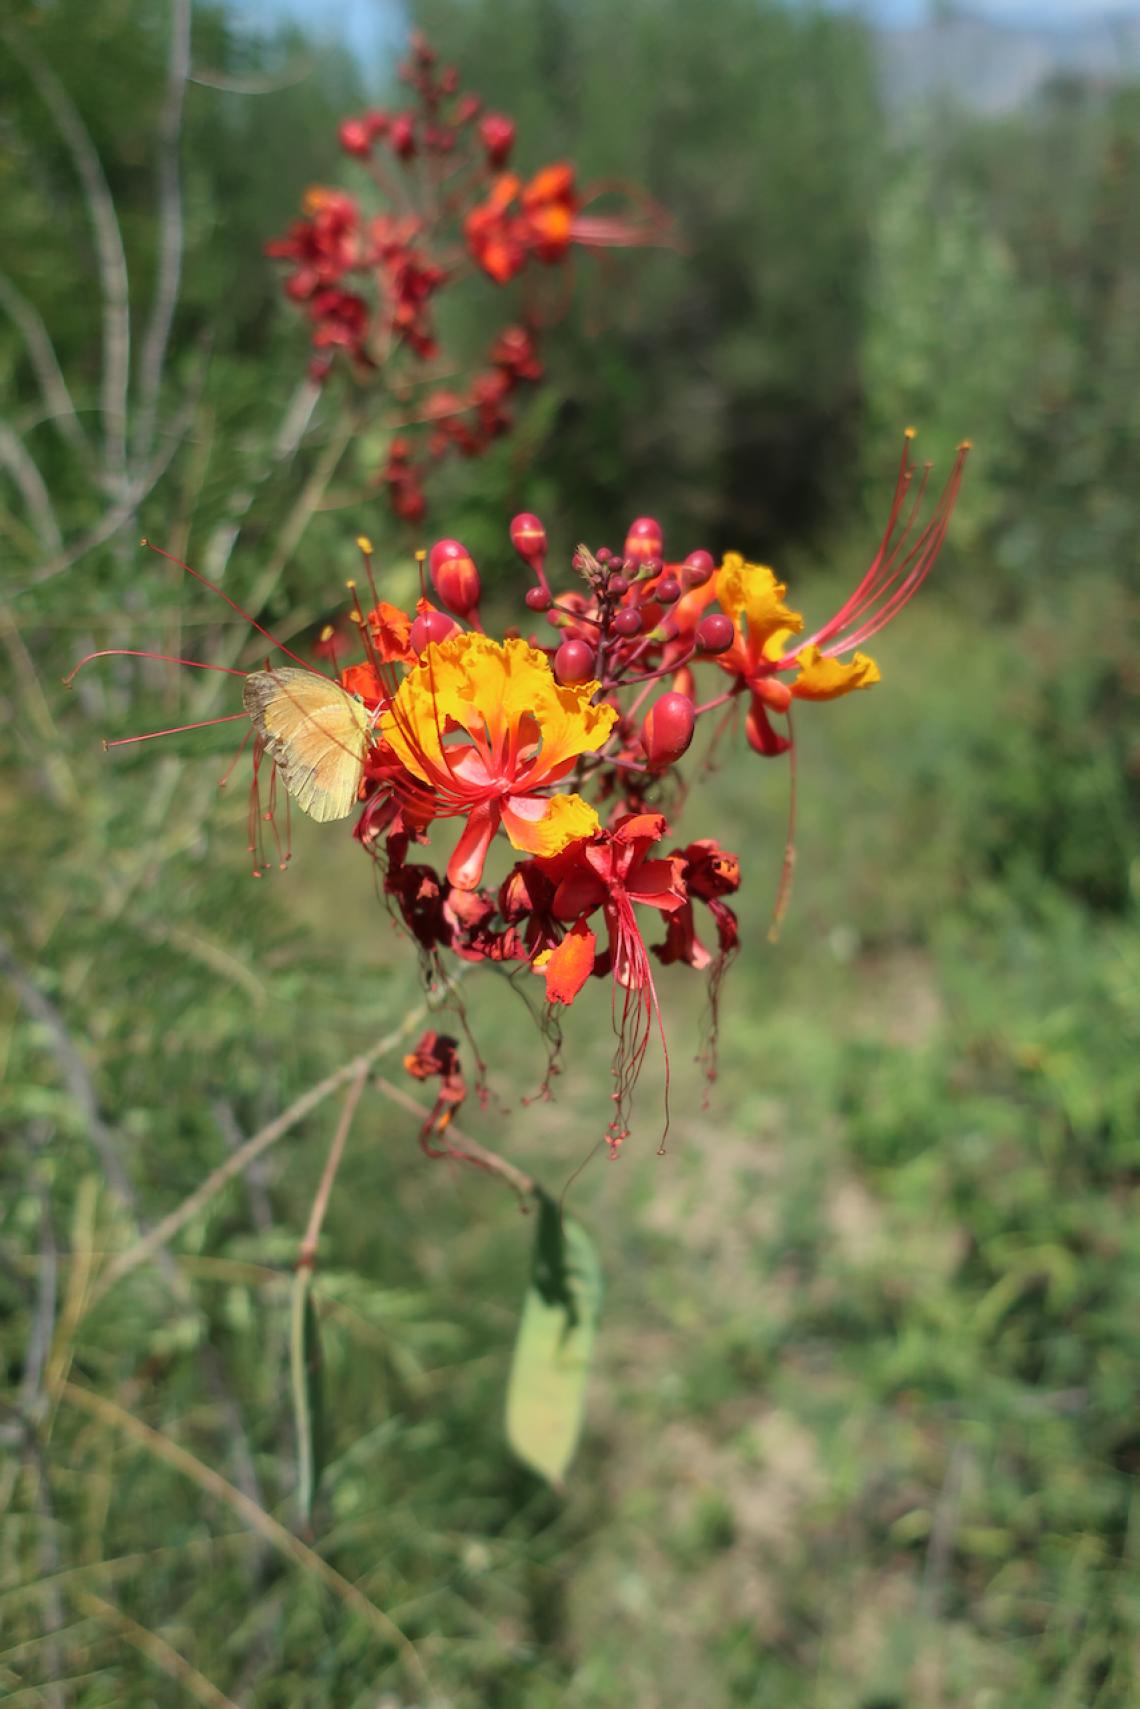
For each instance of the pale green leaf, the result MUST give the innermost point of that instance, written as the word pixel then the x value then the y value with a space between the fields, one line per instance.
pixel 546 1395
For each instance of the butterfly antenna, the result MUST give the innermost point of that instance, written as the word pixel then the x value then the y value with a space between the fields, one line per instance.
pixel 232 603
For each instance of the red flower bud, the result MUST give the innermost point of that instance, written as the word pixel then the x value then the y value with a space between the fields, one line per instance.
pixel 497 134
pixel 528 537
pixel 627 622
pixel 697 569
pixel 356 137
pixel 402 136
pixel 538 598
pixel 714 633
pixel 454 576
pixel 667 591
pixel 574 662
pixel 644 539
pixel 668 729
pixel 431 626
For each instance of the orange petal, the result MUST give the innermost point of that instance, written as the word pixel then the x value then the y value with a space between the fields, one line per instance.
pixel 568 967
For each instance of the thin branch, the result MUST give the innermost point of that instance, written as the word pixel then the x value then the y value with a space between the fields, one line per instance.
pixel 156 1650
pixel 22 467
pixel 61 409
pixel 171 1224
pixel 307 1253
pixel 212 1482
pixel 74 1070
pixel 82 1090
pixel 170 228
pixel 111 259
pixel 123 510
pixel 289 536
pixel 461 1146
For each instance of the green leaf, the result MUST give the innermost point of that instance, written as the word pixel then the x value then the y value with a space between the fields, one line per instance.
pixel 307 1369
pixel 546 1395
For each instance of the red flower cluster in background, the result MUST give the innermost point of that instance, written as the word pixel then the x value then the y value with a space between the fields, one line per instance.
pixel 370 279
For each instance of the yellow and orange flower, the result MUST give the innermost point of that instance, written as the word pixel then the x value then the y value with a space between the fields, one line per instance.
pixel 485 725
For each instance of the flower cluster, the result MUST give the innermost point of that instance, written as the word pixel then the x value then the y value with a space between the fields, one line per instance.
pixel 564 749
pixel 567 750
pixel 370 279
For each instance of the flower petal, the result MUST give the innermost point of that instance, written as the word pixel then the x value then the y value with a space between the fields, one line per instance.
pixel 825 679
pixel 568 967
pixel 465 868
pixel 752 591
pixel 562 820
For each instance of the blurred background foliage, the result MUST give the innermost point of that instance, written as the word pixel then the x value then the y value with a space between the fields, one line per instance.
pixel 863 1425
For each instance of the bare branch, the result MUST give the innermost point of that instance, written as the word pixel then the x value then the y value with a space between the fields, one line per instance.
pixel 21 466
pixel 111 259
pixel 121 512
pixel 170 1225
pixel 170 241
pixel 60 409
pixel 213 1484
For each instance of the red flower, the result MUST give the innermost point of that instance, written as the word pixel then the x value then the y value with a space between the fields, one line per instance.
pixel 613 871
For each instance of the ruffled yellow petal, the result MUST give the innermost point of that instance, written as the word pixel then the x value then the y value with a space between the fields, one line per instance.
pixel 776 642
pixel 488 687
pixel 565 818
pixel 827 679
pixel 752 591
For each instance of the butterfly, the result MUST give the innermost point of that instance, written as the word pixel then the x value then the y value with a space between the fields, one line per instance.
pixel 316 734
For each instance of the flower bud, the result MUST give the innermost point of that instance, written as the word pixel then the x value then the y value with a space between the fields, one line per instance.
pixel 356 137
pixel 667 591
pixel 627 622
pixel 402 136
pixel 497 134
pixel 574 662
pixel 538 598
pixel 454 576
pixel 528 537
pixel 697 569
pixel 715 632
pixel 431 626
pixel 668 729
pixel 617 586
pixel 644 539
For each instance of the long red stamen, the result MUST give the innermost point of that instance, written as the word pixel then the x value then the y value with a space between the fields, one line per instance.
pixel 787 870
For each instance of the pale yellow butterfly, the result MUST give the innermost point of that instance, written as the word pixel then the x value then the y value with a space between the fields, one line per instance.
pixel 316 735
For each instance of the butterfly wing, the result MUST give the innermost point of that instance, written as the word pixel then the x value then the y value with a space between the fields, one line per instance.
pixel 315 734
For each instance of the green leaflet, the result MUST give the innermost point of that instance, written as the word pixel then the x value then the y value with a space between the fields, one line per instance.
pixel 546 1394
